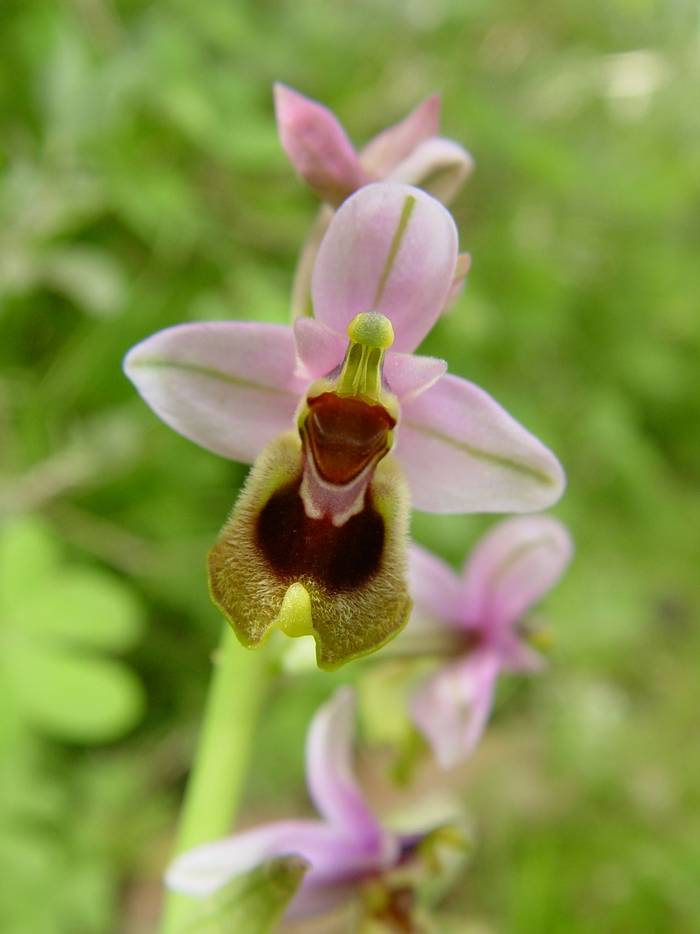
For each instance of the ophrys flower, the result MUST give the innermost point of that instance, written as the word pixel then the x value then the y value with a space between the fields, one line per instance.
pixel 316 542
pixel 352 857
pixel 479 614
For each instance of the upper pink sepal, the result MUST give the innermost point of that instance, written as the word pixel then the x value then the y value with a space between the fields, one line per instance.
pixel 462 452
pixel 229 386
pixel 438 166
pixel 389 248
pixel 396 143
pixel 317 145
pixel 512 567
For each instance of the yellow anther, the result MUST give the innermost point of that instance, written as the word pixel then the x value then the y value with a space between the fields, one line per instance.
pixel 371 330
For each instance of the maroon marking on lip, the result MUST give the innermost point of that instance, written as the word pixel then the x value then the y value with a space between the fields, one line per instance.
pixel 345 435
pixel 295 546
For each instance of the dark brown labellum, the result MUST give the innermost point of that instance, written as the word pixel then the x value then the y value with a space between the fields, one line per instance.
pixel 345 435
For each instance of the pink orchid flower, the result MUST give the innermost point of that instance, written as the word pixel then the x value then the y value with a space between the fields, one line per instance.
pixel 510 569
pixel 410 152
pixel 346 850
pixel 316 542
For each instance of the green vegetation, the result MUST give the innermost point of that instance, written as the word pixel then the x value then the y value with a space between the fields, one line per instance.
pixel 142 185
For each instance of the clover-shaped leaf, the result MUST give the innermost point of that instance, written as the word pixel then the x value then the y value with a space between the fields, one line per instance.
pixel 56 622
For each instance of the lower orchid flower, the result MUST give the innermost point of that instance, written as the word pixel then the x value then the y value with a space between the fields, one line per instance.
pixel 341 421
pixel 350 855
pixel 477 616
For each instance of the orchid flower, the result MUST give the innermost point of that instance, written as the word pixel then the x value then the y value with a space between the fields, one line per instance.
pixel 410 152
pixel 348 851
pixel 316 542
pixel 478 614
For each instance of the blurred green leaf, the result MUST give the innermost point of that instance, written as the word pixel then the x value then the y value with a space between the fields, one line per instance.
pixel 55 618
pixel 83 608
pixel 28 555
pixel 75 697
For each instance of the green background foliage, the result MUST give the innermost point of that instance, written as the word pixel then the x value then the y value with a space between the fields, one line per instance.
pixel 142 185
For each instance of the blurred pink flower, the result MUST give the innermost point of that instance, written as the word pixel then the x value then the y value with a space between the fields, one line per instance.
pixel 316 543
pixel 410 152
pixel 347 849
pixel 510 569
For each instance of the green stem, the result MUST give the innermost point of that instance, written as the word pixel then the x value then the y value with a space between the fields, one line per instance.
pixel 219 769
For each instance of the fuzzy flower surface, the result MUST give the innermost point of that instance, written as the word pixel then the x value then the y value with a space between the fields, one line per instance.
pixel 411 152
pixel 478 614
pixel 345 426
pixel 346 848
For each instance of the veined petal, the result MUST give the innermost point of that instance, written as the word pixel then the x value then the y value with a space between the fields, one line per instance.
pixel 319 348
pixel 397 142
pixel 389 248
pixel 462 452
pixel 409 375
pixel 438 166
pixel 452 707
pixel 435 588
pixel 329 768
pixel 512 567
pixel 317 145
pixel 228 386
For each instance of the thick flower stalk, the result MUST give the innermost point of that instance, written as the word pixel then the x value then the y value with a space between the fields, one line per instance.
pixel 477 617
pixel 349 853
pixel 344 425
pixel 411 152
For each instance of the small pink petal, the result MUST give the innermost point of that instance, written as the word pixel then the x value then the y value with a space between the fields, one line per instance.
pixel 461 452
pixel 452 707
pixel 397 142
pixel 438 166
pixel 228 386
pixel 317 145
pixel 329 768
pixel 319 348
pixel 513 567
pixel 408 375
pixel 389 248
pixel 435 588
